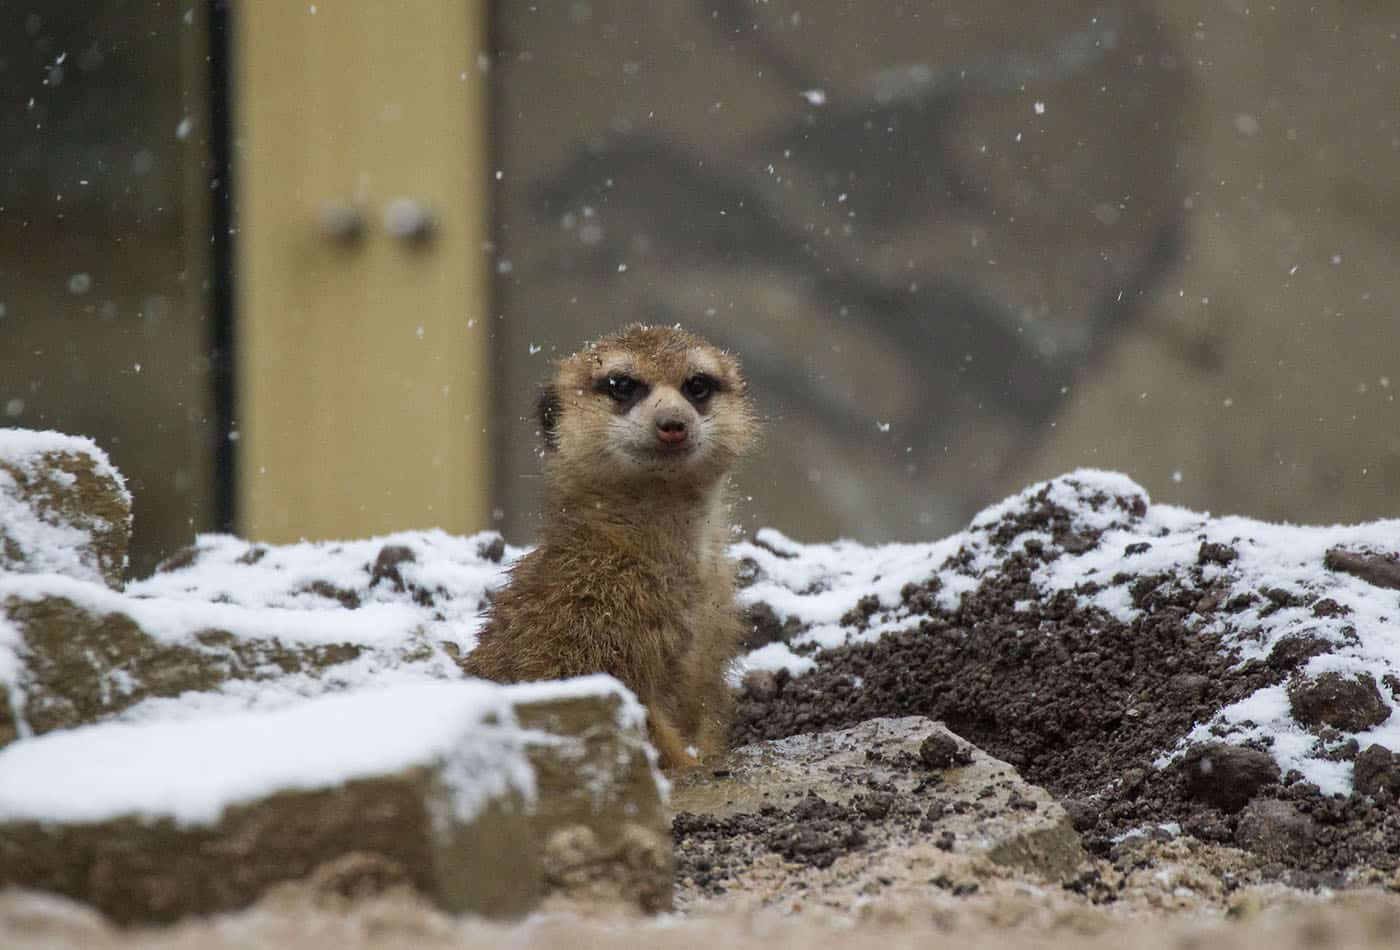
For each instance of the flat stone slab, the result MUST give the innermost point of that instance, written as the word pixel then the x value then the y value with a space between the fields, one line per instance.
pixel 488 799
pixel 951 793
pixel 74 653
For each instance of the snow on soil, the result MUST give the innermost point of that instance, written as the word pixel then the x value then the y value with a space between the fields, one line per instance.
pixel 438 586
pixel 190 770
pixel 816 585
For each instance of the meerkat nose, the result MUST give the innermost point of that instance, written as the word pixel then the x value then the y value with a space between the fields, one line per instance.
pixel 671 431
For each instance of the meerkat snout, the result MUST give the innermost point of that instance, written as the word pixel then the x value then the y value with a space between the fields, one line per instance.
pixel 671 430
pixel 673 419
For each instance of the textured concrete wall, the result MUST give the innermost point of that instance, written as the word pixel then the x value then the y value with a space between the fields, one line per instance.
pixel 957 244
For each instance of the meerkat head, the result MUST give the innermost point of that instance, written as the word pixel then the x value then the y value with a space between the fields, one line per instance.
pixel 646 403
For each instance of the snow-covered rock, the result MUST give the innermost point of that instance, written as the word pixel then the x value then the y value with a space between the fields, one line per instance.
pixel 63 508
pixel 480 793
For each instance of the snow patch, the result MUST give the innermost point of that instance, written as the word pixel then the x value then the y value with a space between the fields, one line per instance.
pixel 773 657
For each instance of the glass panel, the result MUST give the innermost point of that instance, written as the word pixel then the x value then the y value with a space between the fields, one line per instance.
pixel 105 290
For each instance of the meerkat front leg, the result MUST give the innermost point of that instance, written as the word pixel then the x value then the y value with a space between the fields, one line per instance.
pixel 670 747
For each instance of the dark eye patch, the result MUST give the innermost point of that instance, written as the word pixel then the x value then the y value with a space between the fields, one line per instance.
pixel 700 387
pixel 621 388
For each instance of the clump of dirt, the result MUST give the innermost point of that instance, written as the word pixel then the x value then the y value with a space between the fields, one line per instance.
pixel 1086 704
pixel 1227 776
pixel 1350 703
pixel 941 752
pixel 815 832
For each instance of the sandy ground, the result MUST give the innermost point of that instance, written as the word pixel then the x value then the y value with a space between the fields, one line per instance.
pixel 894 893
pixel 1004 915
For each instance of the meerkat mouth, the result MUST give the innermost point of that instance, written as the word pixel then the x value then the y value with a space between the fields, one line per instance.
pixel 672 446
pixel 671 451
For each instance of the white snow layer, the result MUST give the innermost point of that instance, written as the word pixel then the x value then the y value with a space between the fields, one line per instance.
pixel 191 770
pixel 22 446
pixel 242 587
pixel 45 545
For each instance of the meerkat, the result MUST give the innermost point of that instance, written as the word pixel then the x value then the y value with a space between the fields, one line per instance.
pixel 631 575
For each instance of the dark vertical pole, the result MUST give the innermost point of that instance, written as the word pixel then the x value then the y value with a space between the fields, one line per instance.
pixel 504 426
pixel 221 351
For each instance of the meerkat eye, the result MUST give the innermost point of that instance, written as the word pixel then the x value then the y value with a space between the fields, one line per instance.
pixel 620 387
pixel 699 388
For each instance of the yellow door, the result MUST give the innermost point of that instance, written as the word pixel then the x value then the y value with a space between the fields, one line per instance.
pixel 362 399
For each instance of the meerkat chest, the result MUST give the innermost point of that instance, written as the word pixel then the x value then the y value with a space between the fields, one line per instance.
pixel 678 602
pixel 708 598
pixel 650 582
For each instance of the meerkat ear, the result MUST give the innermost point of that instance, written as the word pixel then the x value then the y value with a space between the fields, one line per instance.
pixel 547 412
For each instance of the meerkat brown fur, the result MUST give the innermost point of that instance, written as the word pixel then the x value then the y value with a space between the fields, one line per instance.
pixel 631 576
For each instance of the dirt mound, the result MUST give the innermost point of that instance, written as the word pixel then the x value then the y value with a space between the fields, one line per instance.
pixel 1132 660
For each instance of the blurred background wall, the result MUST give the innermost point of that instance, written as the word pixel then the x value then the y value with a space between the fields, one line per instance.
pixel 964 245
pixel 107 285
pixel 921 224
pixel 960 246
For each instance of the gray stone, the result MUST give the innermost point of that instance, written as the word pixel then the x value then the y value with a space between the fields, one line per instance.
pixel 599 818
pixel 993 812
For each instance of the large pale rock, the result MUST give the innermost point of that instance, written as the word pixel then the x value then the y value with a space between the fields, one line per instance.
pixel 598 817
pixel 487 798
pixel 63 507
pixel 992 812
